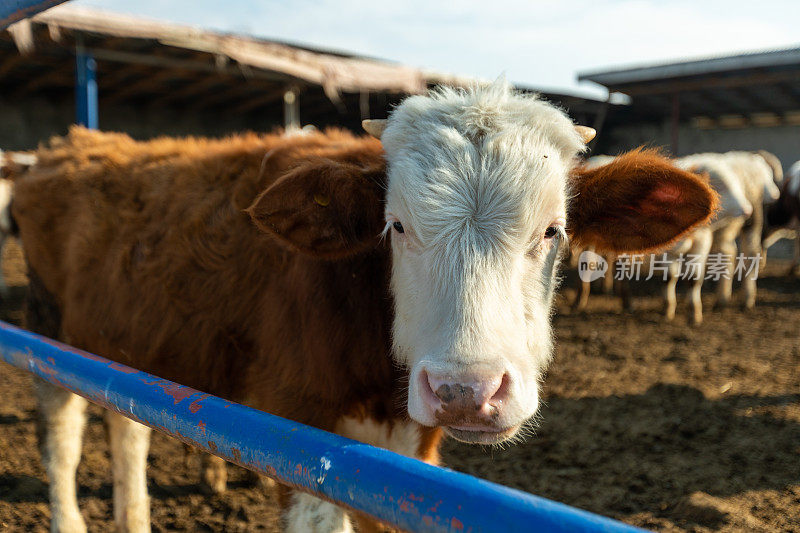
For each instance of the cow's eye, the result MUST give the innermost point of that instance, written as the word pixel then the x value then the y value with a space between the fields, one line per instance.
pixel 398 227
pixel 551 232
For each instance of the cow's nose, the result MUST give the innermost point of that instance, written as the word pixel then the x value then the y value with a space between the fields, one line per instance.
pixel 476 395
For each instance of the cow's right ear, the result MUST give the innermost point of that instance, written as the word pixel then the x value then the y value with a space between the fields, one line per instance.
pixel 324 208
pixel 638 202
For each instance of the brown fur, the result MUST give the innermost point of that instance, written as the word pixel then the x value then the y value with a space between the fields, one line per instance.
pixel 637 202
pixel 154 262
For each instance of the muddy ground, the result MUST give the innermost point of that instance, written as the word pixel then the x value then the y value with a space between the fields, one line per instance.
pixel 663 426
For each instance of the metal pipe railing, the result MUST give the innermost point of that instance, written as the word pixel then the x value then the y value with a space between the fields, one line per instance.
pixel 395 489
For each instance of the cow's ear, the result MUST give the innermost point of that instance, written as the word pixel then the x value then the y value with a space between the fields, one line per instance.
pixel 324 208
pixel 638 202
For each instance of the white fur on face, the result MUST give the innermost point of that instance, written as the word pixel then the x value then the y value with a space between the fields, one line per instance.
pixel 476 178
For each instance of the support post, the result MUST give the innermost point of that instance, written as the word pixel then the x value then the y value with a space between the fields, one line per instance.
pixel 674 122
pixel 363 104
pixel 86 113
pixel 291 110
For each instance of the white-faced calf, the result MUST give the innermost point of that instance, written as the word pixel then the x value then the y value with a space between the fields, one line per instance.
pixel 385 292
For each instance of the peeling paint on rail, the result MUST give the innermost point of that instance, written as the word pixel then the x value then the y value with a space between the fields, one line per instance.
pixel 395 489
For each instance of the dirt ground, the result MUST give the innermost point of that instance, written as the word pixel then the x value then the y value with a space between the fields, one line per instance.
pixel 663 426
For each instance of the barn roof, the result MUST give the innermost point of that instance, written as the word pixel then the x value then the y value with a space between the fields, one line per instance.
pixel 334 71
pixel 144 62
pixel 755 87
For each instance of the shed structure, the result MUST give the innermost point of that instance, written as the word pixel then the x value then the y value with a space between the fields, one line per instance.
pixel 149 78
pixel 746 101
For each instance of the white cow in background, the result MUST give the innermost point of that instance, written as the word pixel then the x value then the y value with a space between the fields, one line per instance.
pixel 689 257
pixel 758 178
pixel 745 181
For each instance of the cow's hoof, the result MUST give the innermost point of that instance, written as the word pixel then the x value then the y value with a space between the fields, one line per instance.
pixel 68 523
pixel 721 304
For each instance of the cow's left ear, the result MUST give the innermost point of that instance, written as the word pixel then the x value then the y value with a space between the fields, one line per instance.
pixel 638 202
pixel 324 208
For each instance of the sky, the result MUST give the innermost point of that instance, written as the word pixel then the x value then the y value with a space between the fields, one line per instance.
pixel 542 44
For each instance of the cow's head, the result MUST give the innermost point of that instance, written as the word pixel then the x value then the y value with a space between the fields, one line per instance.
pixel 481 196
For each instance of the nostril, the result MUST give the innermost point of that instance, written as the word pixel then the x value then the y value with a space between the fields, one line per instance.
pixel 427 387
pixel 502 392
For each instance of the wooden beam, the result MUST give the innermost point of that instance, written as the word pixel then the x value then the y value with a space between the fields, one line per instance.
pixel 61 76
pixel 763 104
pixel 707 103
pixel 148 84
pixel 220 97
pixel 192 87
pixel 110 79
pixel 273 97
pixel 184 64
pixel 789 92
pixel 321 105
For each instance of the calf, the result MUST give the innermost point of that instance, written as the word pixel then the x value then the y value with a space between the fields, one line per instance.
pixel 388 292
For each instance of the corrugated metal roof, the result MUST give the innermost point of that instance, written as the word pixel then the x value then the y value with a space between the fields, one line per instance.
pixel 693 67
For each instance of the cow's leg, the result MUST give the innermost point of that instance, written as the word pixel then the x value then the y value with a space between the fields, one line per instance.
pixel 582 298
pixel 213 474
pixel 62 418
pixel 584 289
pixel 608 279
pixel 309 514
pixel 670 300
pixel 701 245
pixel 129 442
pixel 795 255
pixel 725 243
pixel 403 437
pixel 751 250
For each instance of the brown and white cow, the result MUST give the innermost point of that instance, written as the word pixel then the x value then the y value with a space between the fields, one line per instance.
pixel 389 291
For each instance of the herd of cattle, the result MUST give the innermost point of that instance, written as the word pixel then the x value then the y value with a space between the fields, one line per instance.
pixel 393 290
pixel 757 206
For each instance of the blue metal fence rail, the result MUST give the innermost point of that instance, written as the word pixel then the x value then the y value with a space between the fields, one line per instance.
pixel 398 490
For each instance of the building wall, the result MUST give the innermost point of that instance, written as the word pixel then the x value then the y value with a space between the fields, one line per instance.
pixel 783 141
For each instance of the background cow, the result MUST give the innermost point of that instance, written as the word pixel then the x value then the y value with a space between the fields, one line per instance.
pixel 783 216
pixel 387 293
